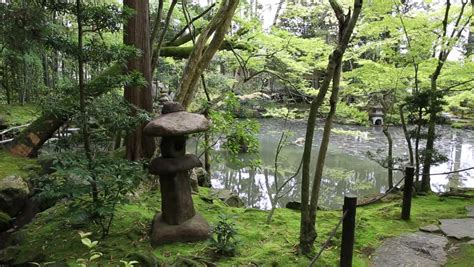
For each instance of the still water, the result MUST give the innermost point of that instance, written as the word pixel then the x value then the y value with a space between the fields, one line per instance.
pixel 348 168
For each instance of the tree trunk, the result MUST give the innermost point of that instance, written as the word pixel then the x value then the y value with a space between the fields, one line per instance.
pixel 417 147
pixel 202 53
pixel 389 156
pixel 470 40
pixel 82 101
pixel 7 85
pixel 137 34
pixel 407 135
pixel 32 138
pixel 44 61
pixel 324 146
pixel 428 159
pixel 277 13
pixel 307 226
pixel 434 97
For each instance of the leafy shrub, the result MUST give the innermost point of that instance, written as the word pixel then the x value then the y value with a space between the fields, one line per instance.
pixel 115 178
pixel 223 239
pixel 236 135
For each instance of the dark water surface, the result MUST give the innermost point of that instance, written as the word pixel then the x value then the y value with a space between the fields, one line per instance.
pixel 347 169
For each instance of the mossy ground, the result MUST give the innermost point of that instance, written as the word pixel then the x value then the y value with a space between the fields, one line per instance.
pixel 13 165
pixel 463 257
pixel 18 115
pixel 51 237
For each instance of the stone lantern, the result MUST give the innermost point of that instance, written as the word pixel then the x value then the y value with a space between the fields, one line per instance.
pixel 376 115
pixel 178 221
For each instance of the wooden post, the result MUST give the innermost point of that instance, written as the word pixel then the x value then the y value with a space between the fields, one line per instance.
pixel 348 230
pixel 407 192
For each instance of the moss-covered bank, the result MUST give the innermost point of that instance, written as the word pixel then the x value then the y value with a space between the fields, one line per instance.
pixel 53 237
pixel 13 165
pixel 18 114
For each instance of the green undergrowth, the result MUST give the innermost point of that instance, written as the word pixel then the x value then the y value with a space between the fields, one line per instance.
pixel 17 114
pixel 463 257
pixel 13 165
pixel 53 236
pixel 465 124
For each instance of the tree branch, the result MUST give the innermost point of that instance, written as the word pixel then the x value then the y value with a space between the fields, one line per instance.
pixel 188 24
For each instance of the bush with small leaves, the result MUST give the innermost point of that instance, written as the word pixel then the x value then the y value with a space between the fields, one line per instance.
pixel 223 240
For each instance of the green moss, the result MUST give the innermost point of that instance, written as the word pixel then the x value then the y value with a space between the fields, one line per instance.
pixel 13 165
pixel 465 124
pixel 463 257
pixel 5 221
pixel 259 243
pixel 17 114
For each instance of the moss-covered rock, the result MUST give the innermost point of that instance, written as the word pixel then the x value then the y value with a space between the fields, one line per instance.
pixel 5 221
pixel 228 197
pixel 13 194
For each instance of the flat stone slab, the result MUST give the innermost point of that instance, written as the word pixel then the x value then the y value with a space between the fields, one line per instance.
pixel 177 124
pixel 430 228
pixel 470 211
pixel 194 229
pixel 458 228
pixel 412 250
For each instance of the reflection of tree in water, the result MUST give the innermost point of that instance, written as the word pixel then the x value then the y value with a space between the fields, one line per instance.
pixel 455 179
pixel 242 181
pixel 347 169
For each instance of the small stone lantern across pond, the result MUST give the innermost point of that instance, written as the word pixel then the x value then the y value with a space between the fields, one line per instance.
pixel 376 115
pixel 178 221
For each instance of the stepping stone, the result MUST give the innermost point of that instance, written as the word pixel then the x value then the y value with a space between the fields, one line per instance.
pixel 470 211
pixel 430 228
pixel 410 250
pixel 458 228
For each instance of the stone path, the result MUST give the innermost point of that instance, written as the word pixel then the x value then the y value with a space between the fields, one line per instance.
pixel 426 248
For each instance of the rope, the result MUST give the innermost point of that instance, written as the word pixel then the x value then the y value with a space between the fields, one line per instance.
pixel 382 196
pixel 451 172
pixel 13 128
pixel 333 233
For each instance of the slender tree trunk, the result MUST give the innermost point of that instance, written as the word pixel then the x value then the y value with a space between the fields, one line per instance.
pixel 470 40
pixel 446 48
pixel 406 134
pixel 324 145
pixel 431 136
pixel 82 101
pixel 137 34
pixel 389 156
pixel 346 27
pixel 44 61
pixel 428 157
pixel 417 146
pixel 277 13
pixel 7 85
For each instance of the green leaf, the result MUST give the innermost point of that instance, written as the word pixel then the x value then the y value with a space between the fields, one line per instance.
pixel 87 242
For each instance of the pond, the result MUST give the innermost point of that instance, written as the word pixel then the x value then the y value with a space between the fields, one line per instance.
pixel 348 168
